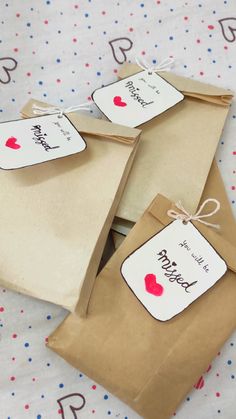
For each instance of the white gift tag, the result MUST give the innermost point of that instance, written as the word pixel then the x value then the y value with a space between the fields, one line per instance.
pixel 172 269
pixel 136 99
pixel 26 142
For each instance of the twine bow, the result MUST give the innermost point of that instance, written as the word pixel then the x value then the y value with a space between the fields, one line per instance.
pixel 165 65
pixel 185 216
pixel 53 110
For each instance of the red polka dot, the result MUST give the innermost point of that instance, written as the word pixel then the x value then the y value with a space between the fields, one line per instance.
pixel 225 47
pixel 158 2
pixel 94 387
pixel 17 14
pixel 185 17
pixel 14 336
pixel 217 374
pixel 60 411
pixel 131 29
pixel 115 71
pixel 76 6
pixel 74 40
pixel 33 379
pixel 16 49
pixel 89 98
pixel 46 339
pixel 58 81
pixel 201 73
pixel 28 74
pixel 26 406
pixel 210 27
pixel 217 394
pixel 87 65
pixel 12 378
pixel 198 41
pixel 46 22
pixel 2 309
pixel 234 153
pixel 143 52
pixel 233 188
pixel 93 411
pixel 13 358
pixel 103 12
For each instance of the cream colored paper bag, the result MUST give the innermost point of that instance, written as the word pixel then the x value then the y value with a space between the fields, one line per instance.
pixel 148 364
pixel 55 216
pixel 177 147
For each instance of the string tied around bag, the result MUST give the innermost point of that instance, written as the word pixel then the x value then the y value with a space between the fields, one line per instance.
pixel 56 110
pixel 164 65
pixel 185 216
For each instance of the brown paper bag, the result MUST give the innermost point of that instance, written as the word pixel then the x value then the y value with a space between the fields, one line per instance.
pixel 55 216
pixel 148 364
pixel 177 147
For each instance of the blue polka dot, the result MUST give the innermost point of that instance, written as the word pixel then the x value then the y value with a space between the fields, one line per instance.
pixel 171 38
pixel 86 15
pixel 209 50
pixel 142 5
pixel 40 83
pixel 13 394
pixel 28 24
pixel 26 345
pixel 49 317
pixel 58 60
pixel 39 416
pixel 105 397
pixel 109 412
pixel 232 344
pixel 42 396
pixel 61 385
pixel 233 377
pixel 30 359
pixel 47 2
pixel 81 375
pixel 229 362
pixel 98 73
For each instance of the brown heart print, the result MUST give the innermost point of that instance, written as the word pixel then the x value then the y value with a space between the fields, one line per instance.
pixel 228 27
pixel 119 46
pixel 7 65
pixel 71 404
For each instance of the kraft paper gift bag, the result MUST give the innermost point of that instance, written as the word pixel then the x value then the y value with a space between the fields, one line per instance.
pixel 177 147
pixel 149 364
pixel 55 217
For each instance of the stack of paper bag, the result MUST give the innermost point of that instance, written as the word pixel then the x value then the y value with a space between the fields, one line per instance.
pixel 149 364
pixel 176 148
pixel 55 217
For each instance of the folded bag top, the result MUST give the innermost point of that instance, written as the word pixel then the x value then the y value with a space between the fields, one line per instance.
pixel 55 216
pixel 177 147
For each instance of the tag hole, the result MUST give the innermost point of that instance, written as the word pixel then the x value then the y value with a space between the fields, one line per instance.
pixel 185 222
pixel 150 73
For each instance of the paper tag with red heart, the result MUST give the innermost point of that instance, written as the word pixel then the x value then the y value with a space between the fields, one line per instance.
pixel 136 99
pixel 172 269
pixel 26 142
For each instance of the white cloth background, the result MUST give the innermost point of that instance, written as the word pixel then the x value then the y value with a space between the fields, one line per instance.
pixel 59 51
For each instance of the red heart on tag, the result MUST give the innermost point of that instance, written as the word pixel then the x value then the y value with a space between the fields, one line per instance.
pixel 118 101
pixel 152 286
pixel 11 143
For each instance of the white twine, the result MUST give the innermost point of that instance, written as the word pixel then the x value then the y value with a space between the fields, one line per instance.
pixel 165 65
pixel 53 110
pixel 185 216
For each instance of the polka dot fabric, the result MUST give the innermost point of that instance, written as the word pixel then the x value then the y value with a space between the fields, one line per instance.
pixel 59 51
